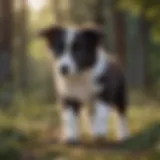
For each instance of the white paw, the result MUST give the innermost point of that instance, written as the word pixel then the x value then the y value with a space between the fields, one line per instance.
pixel 123 131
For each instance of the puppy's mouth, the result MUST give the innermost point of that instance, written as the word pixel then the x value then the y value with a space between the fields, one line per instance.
pixel 64 70
pixel 67 72
pixel 70 75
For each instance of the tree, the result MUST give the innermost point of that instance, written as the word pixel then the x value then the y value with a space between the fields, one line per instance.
pixel 120 37
pixel 20 45
pixel 23 29
pixel 114 26
pixel 56 11
pixel 61 11
pixel 6 26
pixel 144 49
pixel 141 9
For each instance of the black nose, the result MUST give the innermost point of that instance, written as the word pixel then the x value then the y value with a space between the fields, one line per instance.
pixel 64 70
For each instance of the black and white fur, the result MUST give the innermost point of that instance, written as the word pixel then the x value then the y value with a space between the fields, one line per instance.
pixel 84 75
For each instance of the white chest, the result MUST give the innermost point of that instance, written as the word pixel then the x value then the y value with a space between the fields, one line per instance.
pixel 81 87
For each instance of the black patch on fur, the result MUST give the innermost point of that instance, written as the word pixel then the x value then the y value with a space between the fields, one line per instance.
pixel 114 88
pixel 93 37
pixel 55 38
pixel 83 48
pixel 72 103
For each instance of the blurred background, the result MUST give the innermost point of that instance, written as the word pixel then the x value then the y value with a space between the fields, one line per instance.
pixel 27 113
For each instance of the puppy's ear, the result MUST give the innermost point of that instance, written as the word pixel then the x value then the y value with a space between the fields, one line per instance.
pixel 93 37
pixel 50 33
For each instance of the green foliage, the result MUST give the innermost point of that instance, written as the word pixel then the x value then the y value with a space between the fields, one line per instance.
pixel 10 143
pixel 150 9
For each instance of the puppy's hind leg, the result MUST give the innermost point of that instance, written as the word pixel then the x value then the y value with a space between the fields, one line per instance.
pixel 100 119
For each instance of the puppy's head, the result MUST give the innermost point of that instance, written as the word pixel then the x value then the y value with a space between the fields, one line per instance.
pixel 74 49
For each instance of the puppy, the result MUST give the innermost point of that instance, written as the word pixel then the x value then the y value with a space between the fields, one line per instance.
pixel 85 75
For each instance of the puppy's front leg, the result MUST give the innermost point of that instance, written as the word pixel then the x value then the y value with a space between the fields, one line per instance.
pixel 69 117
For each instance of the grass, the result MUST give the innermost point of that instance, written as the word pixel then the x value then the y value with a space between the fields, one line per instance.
pixel 25 131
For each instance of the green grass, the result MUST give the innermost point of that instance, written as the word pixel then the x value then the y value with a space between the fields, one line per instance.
pixel 25 131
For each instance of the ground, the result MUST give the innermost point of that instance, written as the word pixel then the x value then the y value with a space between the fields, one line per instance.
pixel 27 132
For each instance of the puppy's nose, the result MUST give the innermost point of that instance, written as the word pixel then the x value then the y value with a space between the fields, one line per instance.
pixel 64 70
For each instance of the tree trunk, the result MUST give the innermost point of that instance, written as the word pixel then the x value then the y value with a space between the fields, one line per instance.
pixel 144 50
pixel 99 18
pixel 114 26
pixel 120 37
pixel 6 26
pixel 6 52
pixel 58 12
pixel 23 44
pixel 109 24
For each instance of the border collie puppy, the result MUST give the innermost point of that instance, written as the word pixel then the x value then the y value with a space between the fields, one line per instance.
pixel 84 75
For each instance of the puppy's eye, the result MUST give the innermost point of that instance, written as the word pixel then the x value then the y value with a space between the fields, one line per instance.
pixel 59 47
pixel 77 46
